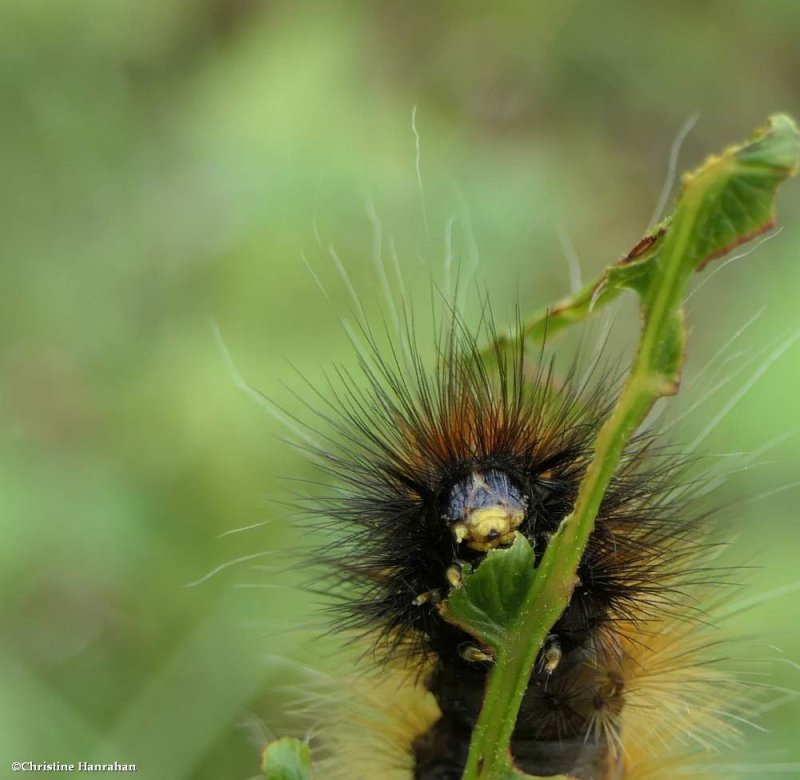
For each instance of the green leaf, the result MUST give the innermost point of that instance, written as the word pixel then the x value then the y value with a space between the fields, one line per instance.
pixel 287 759
pixel 492 596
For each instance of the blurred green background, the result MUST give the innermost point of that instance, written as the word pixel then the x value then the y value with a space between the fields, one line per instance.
pixel 168 164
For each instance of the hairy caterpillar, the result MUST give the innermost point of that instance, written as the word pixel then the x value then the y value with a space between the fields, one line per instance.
pixel 440 467
pixel 435 468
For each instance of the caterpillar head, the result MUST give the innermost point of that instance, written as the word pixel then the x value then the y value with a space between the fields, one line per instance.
pixel 485 509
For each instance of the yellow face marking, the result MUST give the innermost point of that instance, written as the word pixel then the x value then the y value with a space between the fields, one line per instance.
pixel 489 527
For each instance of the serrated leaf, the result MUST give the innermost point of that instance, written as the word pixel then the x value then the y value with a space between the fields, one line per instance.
pixel 732 196
pixel 287 759
pixel 729 199
pixel 492 595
